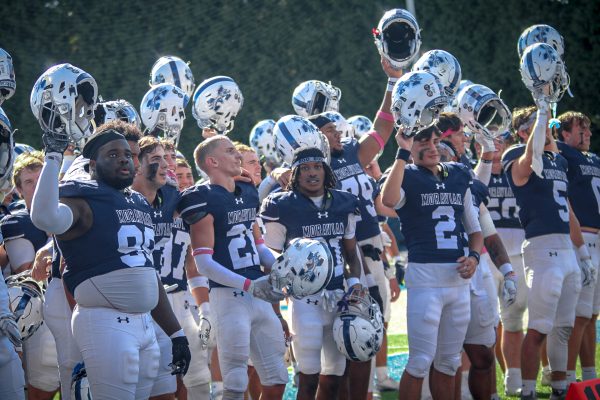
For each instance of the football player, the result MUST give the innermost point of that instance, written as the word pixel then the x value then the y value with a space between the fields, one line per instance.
pixel 584 195
pixel 250 162
pixel 21 240
pixel 119 293
pixel 229 250
pixel 183 172
pixel 538 177
pixel 453 131
pixel 435 205
pixel 312 208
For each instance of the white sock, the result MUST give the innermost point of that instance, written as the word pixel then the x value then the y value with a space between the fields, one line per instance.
pixel 528 387
pixel 512 379
pixel 559 385
pixel 571 376
pixel 382 373
pixel 216 387
pixel 588 373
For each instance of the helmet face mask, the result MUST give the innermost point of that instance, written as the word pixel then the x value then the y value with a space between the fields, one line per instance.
pixel 479 107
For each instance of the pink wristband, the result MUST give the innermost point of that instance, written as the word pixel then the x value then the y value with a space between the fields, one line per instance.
pixel 202 250
pixel 385 116
pixel 260 241
pixel 247 283
pixel 378 138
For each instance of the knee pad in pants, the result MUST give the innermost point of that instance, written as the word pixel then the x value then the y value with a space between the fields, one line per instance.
pixel 557 345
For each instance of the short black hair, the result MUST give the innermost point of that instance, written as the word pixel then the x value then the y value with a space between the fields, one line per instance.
pixel 425 134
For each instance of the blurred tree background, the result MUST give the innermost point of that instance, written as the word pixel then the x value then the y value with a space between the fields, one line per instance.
pixel 271 46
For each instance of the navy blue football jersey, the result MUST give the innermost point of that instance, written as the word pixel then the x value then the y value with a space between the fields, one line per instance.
pixel 479 192
pixel 542 202
pixel 175 251
pixel 302 218
pixel 56 257
pixel 18 225
pixel 432 212
pixel 352 178
pixel 121 236
pixel 584 184
pixel 234 217
pixel 502 203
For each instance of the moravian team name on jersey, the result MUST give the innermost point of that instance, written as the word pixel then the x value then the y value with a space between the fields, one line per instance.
pixel 543 207
pixel 584 184
pixel 351 177
pixel 302 218
pixel 121 236
pixel 234 216
pixel 432 211
pixel 502 203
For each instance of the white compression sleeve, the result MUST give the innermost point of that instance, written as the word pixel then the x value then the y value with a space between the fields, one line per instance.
pixel 483 170
pixel 47 213
pixel 217 272
pixel 265 256
pixel 485 220
pixel 20 251
pixel 470 217
pixel 539 140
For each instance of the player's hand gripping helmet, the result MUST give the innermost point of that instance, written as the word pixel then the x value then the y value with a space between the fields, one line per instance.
pixel 217 101
pixel 80 386
pixel 362 125
pixel 107 111
pixel 398 37
pixel 8 84
pixel 63 101
pixel 7 154
pixel 294 133
pixel 443 65
pixel 262 141
pixel 358 327
pixel 544 73
pixel 417 100
pixel 26 302
pixel 479 107
pixel 341 124
pixel 163 109
pixel 541 34
pixel 173 70
pixel 303 269
pixel 314 97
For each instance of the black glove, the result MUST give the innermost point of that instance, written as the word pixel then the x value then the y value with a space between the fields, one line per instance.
pixel 371 251
pixel 55 142
pixel 374 292
pixel 181 355
pixel 400 270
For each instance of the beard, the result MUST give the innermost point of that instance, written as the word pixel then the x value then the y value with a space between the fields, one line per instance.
pixel 114 181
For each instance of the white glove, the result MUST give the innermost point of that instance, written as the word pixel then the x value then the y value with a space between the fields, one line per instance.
pixel 487 144
pixel 10 329
pixel 208 339
pixel 330 299
pixel 509 288
pixel 386 239
pixel 588 270
pixel 262 288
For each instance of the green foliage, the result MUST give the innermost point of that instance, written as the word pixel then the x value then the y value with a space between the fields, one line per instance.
pixel 269 47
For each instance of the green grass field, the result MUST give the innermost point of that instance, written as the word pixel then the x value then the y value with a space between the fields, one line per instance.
pixel 399 344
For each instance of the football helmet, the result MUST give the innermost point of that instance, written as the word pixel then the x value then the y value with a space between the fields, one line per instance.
pixel 63 100
pixel 341 124
pixel 417 100
pixel 443 65
pixel 217 101
pixel 26 299
pixel 314 97
pixel 173 70
pixel 303 269
pixel 162 109
pixel 541 34
pixel 107 111
pixel 7 153
pixel 479 106
pixel 398 37
pixel 80 386
pixel 263 142
pixel 293 133
pixel 358 327
pixel 362 125
pixel 21 148
pixel 8 84
pixel 544 73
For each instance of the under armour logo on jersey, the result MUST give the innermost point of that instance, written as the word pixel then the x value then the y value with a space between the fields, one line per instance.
pixel 342 160
pixel 496 180
pixel 553 253
pixel 315 302
pixel 120 320
pixel 129 200
pixel 235 294
pixel 440 186
pixel 553 163
pixel 239 201
pixel 157 214
pixel 322 215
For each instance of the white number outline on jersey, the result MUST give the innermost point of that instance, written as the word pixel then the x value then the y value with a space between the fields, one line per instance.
pixel 442 228
pixel 504 204
pixel 561 200
pixel 360 186
pixel 240 236
pixel 179 238
pixel 144 242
